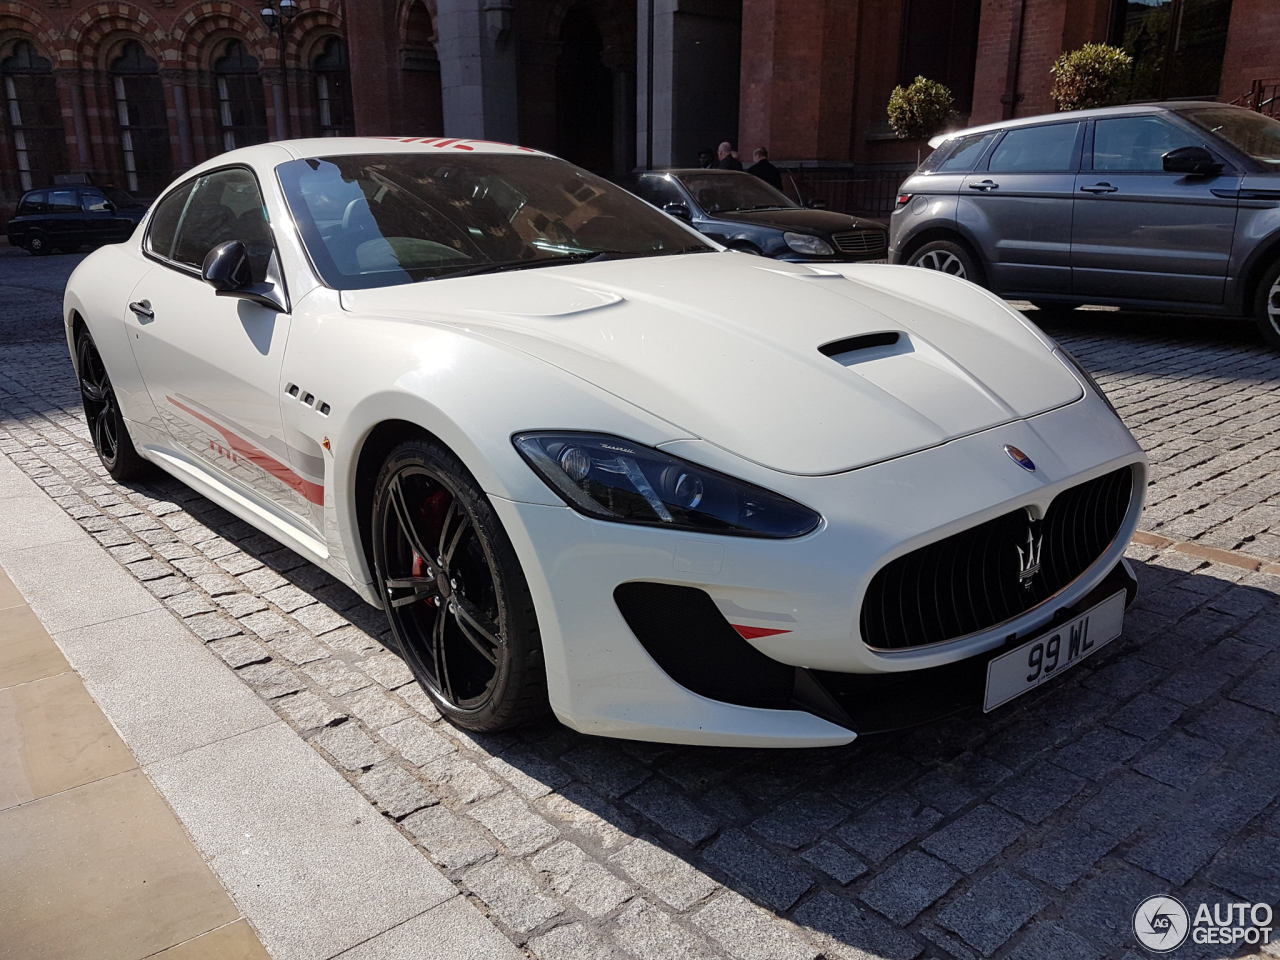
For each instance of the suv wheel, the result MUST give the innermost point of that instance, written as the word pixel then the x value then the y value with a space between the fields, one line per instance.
pixel 38 245
pixel 1266 307
pixel 946 256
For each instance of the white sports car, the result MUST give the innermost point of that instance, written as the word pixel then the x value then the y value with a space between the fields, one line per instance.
pixel 585 458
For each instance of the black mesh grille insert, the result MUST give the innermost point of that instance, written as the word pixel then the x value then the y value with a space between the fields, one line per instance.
pixel 972 581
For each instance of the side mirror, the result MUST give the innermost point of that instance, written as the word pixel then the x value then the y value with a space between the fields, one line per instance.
pixel 680 210
pixel 817 204
pixel 1193 161
pixel 226 268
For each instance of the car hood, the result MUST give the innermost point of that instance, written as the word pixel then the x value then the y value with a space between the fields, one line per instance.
pixel 799 218
pixel 727 348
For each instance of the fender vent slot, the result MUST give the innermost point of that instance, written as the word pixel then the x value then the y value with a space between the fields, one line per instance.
pixel 865 341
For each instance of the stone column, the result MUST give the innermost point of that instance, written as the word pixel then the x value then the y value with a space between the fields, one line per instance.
pixel 478 68
pixel 69 80
pixel 177 80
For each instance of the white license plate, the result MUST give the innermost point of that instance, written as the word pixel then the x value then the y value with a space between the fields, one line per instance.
pixel 1026 667
pixel 881 260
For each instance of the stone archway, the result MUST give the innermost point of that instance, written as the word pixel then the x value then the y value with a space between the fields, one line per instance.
pixel 584 94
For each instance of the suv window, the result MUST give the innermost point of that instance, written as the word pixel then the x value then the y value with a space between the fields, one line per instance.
pixel 165 220
pixel 966 154
pixel 63 201
pixel 93 201
pixel 32 203
pixel 1136 143
pixel 225 205
pixel 658 191
pixel 1046 149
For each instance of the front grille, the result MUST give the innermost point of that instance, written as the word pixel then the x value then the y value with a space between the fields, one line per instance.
pixel 862 241
pixel 972 580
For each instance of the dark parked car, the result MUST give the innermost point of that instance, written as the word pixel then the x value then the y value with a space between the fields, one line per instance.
pixel 1171 206
pixel 745 213
pixel 67 217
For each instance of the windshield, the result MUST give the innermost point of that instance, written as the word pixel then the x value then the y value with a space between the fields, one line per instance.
pixel 1253 133
pixel 383 219
pixel 727 192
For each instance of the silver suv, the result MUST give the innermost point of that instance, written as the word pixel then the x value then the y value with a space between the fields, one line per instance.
pixel 1171 206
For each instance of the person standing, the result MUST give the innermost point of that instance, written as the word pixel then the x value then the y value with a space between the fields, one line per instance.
pixel 727 161
pixel 706 159
pixel 765 170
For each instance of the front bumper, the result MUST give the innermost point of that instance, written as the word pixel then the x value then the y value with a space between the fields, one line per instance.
pixel 603 681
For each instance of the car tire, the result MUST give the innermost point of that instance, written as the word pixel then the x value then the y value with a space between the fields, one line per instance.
pixel 946 256
pixel 102 413
pixel 38 245
pixel 1266 306
pixel 454 593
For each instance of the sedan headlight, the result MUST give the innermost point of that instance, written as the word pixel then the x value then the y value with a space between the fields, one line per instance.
pixel 808 245
pixel 613 479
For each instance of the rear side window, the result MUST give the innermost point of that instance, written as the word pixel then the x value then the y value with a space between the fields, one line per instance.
pixel 93 201
pixel 226 205
pixel 32 203
pixel 165 220
pixel 1137 143
pixel 967 152
pixel 63 201
pixel 1047 149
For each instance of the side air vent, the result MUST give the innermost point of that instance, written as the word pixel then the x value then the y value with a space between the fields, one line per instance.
pixel 866 341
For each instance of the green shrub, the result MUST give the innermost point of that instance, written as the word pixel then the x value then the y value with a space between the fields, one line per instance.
pixel 920 110
pixel 1096 75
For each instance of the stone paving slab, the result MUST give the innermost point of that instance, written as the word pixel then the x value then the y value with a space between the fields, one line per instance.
pixel 1030 832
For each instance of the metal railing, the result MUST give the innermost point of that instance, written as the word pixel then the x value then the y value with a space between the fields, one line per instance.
pixel 1262 97
pixel 864 191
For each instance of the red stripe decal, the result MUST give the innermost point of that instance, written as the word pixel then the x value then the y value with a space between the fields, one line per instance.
pixel 314 492
pixel 445 143
pixel 753 633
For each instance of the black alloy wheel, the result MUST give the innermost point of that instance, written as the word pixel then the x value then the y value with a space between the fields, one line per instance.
pixel 102 413
pixel 454 593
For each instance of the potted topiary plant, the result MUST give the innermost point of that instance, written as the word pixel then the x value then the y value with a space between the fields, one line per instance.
pixel 1096 75
pixel 921 109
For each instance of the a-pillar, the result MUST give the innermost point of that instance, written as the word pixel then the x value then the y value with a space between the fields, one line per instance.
pixel 689 100
pixel 478 69
pixel 798 78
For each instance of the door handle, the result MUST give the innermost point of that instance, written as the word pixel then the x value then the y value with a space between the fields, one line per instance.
pixel 142 310
pixel 1100 188
pixel 984 185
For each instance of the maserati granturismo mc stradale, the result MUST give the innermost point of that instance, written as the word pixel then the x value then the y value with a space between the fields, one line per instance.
pixel 587 460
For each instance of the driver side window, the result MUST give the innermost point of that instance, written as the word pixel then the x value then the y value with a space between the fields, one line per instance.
pixel 225 205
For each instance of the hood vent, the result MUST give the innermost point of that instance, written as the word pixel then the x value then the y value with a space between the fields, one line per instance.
pixel 839 350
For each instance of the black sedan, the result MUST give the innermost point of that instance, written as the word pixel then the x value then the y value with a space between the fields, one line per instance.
pixel 68 217
pixel 745 213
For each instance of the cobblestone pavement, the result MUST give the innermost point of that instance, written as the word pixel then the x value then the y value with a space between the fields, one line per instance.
pixel 1032 833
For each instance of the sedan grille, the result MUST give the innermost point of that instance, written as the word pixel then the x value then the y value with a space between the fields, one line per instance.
pixel 984 576
pixel 863 241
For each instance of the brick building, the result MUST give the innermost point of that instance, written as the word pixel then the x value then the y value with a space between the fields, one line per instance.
pixel 132 92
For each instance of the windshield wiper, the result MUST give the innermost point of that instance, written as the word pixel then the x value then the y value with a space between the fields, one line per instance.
pixel 503 265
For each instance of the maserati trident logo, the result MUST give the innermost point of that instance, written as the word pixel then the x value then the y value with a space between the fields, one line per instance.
pixel 1020 458
pixel 1029 556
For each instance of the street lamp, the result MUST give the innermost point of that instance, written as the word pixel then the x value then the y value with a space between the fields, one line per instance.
pixel 277 17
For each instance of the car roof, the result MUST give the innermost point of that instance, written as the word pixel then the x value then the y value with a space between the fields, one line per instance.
pixel 1163 106
pixel 699 171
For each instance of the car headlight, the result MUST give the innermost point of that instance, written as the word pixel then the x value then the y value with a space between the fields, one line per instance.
pixel 613 479
pixel 1087 377
pixel 808 245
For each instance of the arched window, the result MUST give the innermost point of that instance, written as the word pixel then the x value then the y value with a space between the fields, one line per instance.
pixel 242 111
pixel 140 114
pixel 33 115
pixel 333 89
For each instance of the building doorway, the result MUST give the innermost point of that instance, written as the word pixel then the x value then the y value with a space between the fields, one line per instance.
pixel 1177 46
pixel 424 106
pixel 584 95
